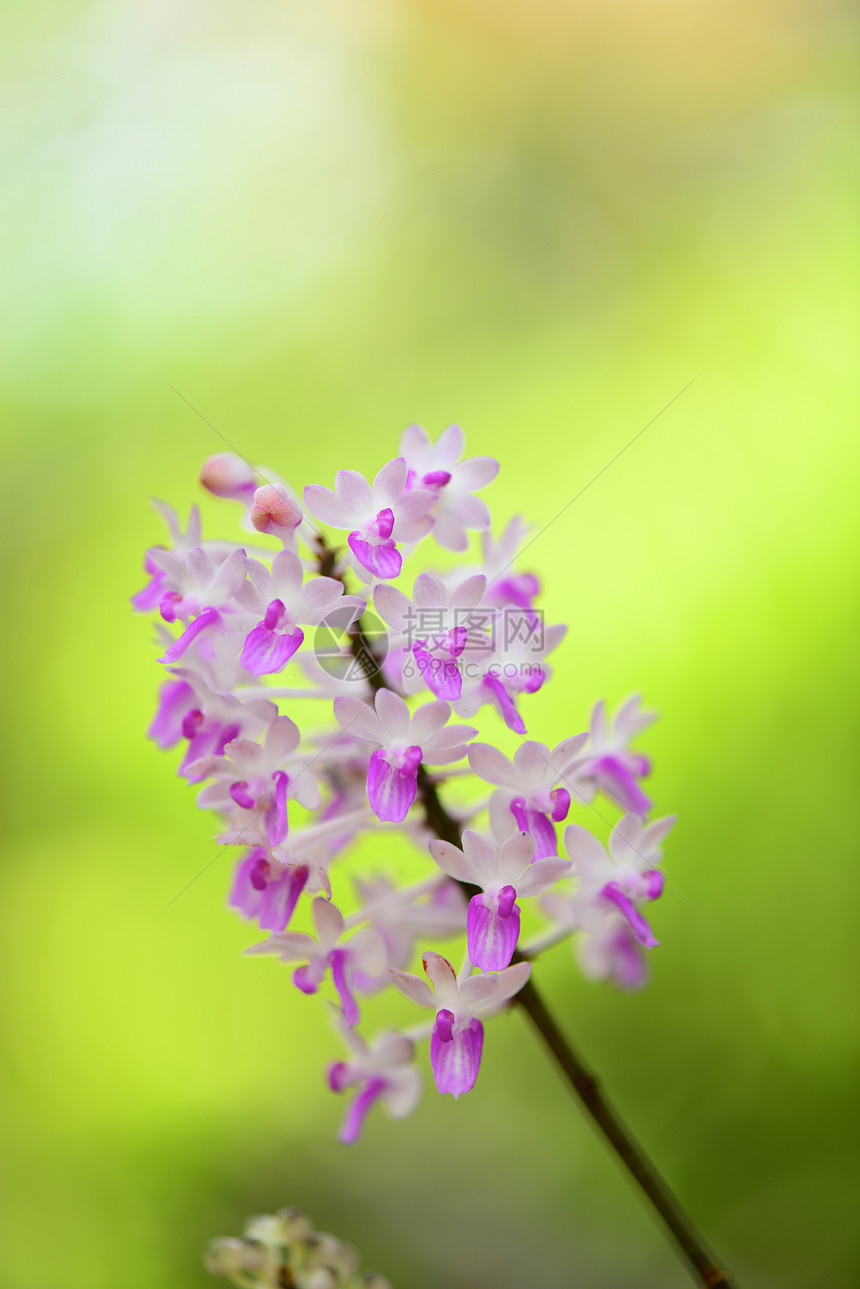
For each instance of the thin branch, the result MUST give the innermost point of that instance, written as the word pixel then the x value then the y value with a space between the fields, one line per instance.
pixel 581 1082
pixel 631 1155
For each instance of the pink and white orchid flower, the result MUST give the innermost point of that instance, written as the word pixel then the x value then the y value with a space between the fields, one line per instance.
pixel 286 604
pixel 404 739
pixel 363 952
pixel 457 1042
pixel 505 873
pixel 611 765
pixel 196 588
pixel 528 797
pixel 252 784
pixel 437 466
pixel 379 1072
pixel 621 879
pixel 379 516
pixel 440 629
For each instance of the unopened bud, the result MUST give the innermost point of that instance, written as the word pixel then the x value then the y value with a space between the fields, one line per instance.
pixel 268 1229
pixel 322 1278
pixel 227 475
pixel 326 1250
pixel 295 1225
pixel 273 510
pixel 229 1257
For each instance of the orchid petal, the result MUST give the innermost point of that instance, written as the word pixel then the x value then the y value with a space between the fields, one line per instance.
pixel 456 1064
pixel 266 652
pixel 414 988
pixel 491 938
pixel 639 926
pixel 383 559
pixel 390 791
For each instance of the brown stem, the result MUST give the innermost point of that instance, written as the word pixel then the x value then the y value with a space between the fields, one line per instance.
pixel 580 1080
pixel 583 1084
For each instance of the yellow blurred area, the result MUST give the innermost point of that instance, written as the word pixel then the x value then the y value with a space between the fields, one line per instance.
pixel 320 222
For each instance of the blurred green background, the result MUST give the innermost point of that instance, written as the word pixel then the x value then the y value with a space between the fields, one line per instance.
pixel 541 218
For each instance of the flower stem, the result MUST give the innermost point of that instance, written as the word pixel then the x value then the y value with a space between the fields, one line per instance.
pixel 583 1085
pixel 581 1082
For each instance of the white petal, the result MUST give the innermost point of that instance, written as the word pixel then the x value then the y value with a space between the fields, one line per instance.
pixel 393 1049
pixel 429 593
pixel 631 720
pixel 427 721
pixel 369 949
pixel 491 765
pixel 448 738
pixel 449 446
pixel 327 506
pixel 479 993
pixel 450 534
pixel 359 718
pixel 502 821
pixel 305 789
pixel 217 795
pixel 446 755
pixel 317 598
pixel 200 567
pixel 287 575
pixel 443 978
pixel 542 874
pixel 260 580
pixel 392 605
pixel 412 506
pixel 584 849
pixel 328 921
pixel 452 860
pixel 353 493
pixel 553 636
pixel 563 753
pixel 193 529
pixel 228 579
pixel 469 594
pixel 476 472
pixel 415 446
pixel 282 740
pixel 515 855
pixel 412 530
pixel 417 990
pixel 393 713
pixel 471 512
pixel 168 562
pixel 599 723
pixel 404 1093
pixel 482 856
pixel 412 677
pixel 288 945
pixel 389 484
pixel 655 833
pixel 531 763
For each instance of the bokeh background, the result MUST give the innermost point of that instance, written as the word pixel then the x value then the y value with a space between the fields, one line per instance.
pixel 542 218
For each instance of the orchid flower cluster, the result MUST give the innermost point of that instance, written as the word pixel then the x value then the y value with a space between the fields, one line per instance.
pixel 281 1249
pixel 399 675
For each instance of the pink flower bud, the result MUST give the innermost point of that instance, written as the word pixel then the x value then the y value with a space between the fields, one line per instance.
pixel 227 475
pixel 273 510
